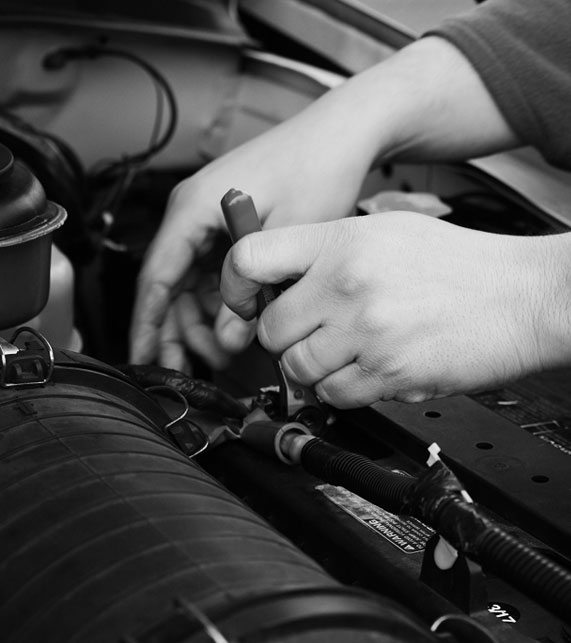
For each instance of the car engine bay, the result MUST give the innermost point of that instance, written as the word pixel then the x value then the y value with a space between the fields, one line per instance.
pixel 143 505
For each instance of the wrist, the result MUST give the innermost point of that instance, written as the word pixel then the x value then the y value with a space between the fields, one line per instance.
pixel 527 293
pixel 553 296
pixel 537 300
pixel 426 102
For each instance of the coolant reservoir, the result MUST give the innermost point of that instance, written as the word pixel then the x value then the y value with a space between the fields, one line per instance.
pixel 35 277
pixel 27 223
pixel 55 321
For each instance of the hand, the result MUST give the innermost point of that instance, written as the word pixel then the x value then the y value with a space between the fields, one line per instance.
pixel 426 102
pixel 397 306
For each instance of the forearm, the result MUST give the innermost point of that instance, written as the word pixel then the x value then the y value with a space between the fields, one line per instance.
pixel 426 103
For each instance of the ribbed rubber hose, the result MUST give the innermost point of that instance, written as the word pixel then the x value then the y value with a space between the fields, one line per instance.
pixel 458 521
pixel 104 525
pixel 545 581
pixel 356 473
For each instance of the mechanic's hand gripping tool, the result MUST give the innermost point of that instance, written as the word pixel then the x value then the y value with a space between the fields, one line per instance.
pixel 296 402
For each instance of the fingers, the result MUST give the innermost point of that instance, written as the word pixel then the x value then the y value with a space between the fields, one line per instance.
pixel 171 352
pixel 198 336
pixel 155 287
pixel 184 331
pixel 168 259
pixel 233 333
pixel 352 387
pixel 148 316
pixel 268 257
pixel 321 353
pixel 294 315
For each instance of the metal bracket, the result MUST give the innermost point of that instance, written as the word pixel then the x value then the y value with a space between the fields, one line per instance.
pixel 30 365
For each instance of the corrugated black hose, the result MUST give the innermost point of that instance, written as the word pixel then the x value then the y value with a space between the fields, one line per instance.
pixel 356 473
pixel 547 581
pixel 439 500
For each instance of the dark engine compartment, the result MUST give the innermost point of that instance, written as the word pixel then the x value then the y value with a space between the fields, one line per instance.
pixel 113 528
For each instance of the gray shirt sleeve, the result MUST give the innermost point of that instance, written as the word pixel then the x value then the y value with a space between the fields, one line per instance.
pixel 522 51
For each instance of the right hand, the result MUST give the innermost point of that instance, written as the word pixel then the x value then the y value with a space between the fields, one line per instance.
pixel 401 306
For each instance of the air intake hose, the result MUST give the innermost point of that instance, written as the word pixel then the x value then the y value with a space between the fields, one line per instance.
pixel 108 534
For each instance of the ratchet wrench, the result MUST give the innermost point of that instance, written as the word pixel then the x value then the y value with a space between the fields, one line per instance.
pixel 241 217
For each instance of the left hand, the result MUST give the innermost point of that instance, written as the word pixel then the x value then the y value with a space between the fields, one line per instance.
pixel 393 306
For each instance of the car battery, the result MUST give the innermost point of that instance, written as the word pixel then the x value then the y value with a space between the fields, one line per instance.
pixel 365 545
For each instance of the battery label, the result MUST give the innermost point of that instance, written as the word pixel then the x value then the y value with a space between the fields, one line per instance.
pixel 406 534
pixel 545 420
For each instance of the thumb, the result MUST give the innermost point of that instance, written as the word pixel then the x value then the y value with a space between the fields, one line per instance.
pixel 267 257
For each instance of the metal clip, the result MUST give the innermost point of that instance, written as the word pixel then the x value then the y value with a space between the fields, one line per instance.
pixel 297 402
pixel 31 365
pixel 187 435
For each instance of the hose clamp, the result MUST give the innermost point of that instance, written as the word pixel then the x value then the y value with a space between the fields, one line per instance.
pixel 29 365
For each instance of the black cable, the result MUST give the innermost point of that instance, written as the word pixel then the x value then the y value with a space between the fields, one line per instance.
pixel 543 579
pixel 357 473
pixel 160 96
pixel 114 179
pixel 57 59
pixel 114 195
pixel 438 499
pixel 200 394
